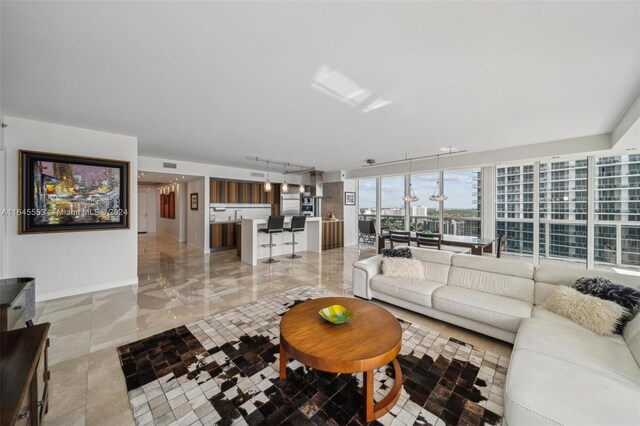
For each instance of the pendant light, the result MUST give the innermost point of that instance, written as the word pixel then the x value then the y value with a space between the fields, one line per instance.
pixel 301 188
pixel 437 194
pixel 411 197
pixel 267 183
pixel 285 186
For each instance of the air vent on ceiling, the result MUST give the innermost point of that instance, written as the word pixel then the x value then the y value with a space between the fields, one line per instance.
pixel 170 165
pixel 254 174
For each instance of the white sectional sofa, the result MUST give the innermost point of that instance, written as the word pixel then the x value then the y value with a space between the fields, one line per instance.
pixel 559 373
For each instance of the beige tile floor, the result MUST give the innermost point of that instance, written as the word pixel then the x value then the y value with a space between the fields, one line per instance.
pixel 177 285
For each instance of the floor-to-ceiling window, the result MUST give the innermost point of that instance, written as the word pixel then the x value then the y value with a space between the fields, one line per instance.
pixel 391 203
pixel 514 207
pixel 563 210
pixel 424 214
pixel 617 210
pixel 463 206
pixel 564 207
pixel 367 199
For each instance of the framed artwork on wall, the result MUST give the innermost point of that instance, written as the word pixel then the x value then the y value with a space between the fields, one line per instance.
pixel 349 198
pixel 162 204
pixel 172 205
pixel 60 193
pixel 194 201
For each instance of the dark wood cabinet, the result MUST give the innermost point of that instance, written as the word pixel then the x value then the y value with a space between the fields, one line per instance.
pixel 235 192
pixel 24 377
pixel 332 234
pixel 223 236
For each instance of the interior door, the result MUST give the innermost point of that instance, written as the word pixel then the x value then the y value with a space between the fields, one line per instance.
pixel 142 211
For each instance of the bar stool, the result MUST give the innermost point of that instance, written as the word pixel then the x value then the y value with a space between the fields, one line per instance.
pixel 297 225
pixel 274 226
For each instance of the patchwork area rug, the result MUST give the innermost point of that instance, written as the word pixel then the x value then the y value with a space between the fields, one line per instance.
pixel 223 370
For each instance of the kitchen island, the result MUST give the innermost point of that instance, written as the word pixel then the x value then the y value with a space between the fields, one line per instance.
pixel 251 241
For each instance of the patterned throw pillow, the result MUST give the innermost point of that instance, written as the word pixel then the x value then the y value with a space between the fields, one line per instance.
pixel 404 252
pixel 598 315
pixel 602 288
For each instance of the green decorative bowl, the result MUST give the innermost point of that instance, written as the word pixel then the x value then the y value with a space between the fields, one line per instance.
pixel 336 314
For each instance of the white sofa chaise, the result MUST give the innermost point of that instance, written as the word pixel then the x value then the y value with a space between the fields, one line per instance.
pixel 559 372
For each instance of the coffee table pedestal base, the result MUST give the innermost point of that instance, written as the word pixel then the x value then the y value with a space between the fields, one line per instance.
pixel 372 410
pixel 375 410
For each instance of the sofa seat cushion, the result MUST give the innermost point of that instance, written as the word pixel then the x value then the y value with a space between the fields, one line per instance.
pixel 418 292
pixel 498 311
pixel 545 314
pixel 580 346
pixel 552 361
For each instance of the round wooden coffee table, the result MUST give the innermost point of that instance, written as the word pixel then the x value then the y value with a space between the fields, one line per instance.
pixel 370 340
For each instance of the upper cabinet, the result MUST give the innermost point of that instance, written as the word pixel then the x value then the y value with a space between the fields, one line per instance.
pixel 225 191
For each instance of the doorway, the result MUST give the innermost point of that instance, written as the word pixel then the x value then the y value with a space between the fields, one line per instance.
pixel 143 212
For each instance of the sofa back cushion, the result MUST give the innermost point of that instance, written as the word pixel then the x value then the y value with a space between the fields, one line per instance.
pixel 548 276
pixel 491 275
pixel 631 335
pixel 437 263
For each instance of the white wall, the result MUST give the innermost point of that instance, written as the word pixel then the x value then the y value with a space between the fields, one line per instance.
pixel 152 205
pixel 182 210
pixel 69 263
pixel 195 218
pixel 175 228
pixel 152 164
pixel 350 216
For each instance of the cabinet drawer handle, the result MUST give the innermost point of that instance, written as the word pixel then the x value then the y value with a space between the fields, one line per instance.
pixel 17 307
pixel 24 415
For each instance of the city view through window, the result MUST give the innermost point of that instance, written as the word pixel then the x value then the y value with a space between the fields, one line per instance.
pixel 562 216
pixel 461 211
pixel 564 210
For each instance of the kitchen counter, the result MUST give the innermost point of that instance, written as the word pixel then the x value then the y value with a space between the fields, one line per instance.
pixel 251 241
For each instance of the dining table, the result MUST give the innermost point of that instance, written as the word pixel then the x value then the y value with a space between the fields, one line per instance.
pixel 477 245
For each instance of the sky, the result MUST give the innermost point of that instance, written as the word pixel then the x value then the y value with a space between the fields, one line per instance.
pixel 457 186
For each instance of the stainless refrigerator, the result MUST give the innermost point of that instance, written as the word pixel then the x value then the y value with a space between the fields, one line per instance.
pixel 290 204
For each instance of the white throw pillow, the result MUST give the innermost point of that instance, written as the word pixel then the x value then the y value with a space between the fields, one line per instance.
pixel 598 315
pixel 407 269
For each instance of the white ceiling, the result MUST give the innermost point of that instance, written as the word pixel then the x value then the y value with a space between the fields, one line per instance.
pixel 216 82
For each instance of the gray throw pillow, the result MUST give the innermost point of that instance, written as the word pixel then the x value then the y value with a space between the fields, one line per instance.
pixel 403 252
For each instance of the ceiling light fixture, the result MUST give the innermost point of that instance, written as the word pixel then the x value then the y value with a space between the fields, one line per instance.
pixel 285 186
pixel 267 183
pixel 411 196
pixel 301 188
pixel 438 196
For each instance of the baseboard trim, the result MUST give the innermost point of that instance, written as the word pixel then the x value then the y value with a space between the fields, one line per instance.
pixel 196 246
pixel 41 296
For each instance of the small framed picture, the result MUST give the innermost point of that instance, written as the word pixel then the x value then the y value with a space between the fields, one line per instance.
pixel 349 198
pixel 194 201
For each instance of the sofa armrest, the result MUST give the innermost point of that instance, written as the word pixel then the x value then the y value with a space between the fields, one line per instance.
pixel 363 270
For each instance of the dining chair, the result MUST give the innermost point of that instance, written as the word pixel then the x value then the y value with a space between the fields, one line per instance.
pixel 366 231
pixel 428 240
pixel 402 237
